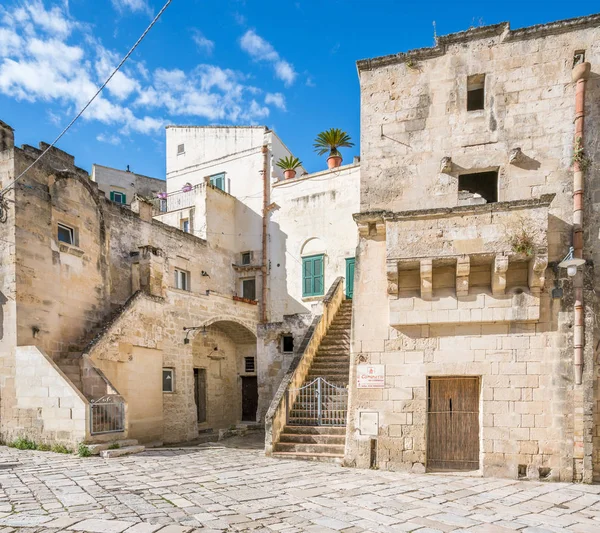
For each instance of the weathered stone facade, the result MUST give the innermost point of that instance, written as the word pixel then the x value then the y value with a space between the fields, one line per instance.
pixel 445 291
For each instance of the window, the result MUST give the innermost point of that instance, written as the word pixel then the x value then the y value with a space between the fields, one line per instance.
pixel 249 365
pixel 475 92
pixel 184 225
pixel 287 344
pixel 182 280
pixel 312 276
pixel 66 234
pixel 478 188
pixel 246 258
pixel 168 380
pixel 249 288
pixel 117 197
pixel 180 149
pixel 218 181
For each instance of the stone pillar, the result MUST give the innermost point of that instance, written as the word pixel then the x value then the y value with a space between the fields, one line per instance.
pixel 499 268
pixel 426 279
pixel 152 271
pixel 463 268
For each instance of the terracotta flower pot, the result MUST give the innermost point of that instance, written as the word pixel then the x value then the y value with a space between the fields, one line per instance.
pixel 334 161
pixel 289 174
pixel 581 71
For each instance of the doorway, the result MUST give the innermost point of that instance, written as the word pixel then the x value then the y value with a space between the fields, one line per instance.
pixel 350 277
pixel 249 398
pixel 453 423
pixel 200 394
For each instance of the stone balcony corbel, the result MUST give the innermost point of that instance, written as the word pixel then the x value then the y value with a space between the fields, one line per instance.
pixel 463 269
pixel 392 278
pixel 499 268
pixel 426 269
pixel 370 225
pixel 536 277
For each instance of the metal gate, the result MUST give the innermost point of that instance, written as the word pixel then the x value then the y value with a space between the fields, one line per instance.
pixel 107 415
pixel 318 403
pixel 453 423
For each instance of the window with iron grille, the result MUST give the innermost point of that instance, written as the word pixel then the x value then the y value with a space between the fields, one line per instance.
pixel 249 288
pixel 249 365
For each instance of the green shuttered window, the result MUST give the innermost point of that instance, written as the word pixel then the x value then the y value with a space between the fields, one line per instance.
pixel 313 281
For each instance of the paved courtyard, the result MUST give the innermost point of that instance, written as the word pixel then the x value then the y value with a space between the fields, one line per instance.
pixel 218 488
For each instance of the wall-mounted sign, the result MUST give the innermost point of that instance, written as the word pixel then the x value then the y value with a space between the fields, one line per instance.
pixel 370 376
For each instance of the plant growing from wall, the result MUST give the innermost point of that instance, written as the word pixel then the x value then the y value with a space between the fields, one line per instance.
pixel 331 141
pixel 579 155
pixel 522 242
pixel 289 165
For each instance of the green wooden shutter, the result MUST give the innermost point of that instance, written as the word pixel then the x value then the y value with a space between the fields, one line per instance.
pixel 307 289
pixel 112 196
pixel 318 276
pixel 313 281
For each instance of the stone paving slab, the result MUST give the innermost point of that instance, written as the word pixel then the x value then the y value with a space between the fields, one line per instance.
pixel 219 489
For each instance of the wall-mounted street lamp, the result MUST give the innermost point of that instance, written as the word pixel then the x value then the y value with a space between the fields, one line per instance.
pixel 187 330
pixel 571 263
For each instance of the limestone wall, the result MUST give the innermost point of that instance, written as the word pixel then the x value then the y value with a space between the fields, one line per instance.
pixel 417 139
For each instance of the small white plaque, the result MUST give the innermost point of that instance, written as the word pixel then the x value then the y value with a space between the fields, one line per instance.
pixel 369 423
pixel 370 376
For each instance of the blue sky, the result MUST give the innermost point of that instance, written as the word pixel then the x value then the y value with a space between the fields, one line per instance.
pixel 289 65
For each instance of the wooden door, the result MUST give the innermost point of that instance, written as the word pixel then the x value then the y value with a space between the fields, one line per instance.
pixel 350 278
pixel 249 398
pixel 200 393
pixel 453 423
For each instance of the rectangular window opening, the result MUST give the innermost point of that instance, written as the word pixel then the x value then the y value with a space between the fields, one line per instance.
pixel 184 225
pixel 66 234
pixel 180 149
pixel 313 278
pixel 182 280
pixel 478 188
pixel 218 181
pixel 475 92
pixel 168 380
pixel 246 258
pixel 249 288
pixel 287 344
pixel 249 365
pixel 118 197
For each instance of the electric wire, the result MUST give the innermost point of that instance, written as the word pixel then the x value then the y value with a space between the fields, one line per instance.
pixel 114 72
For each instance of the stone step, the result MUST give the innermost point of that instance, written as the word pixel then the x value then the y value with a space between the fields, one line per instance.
pixel 312 439
pixel 334 449
pixel 315 430
pixel 118 452
pixel 334 347
pixel 95 449
pixel 321 457
pixel 333 357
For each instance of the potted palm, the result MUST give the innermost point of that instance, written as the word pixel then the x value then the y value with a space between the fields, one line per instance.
pixel 289 165
pixel 329 141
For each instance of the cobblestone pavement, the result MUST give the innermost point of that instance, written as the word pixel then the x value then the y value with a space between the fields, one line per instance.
pixel 215 488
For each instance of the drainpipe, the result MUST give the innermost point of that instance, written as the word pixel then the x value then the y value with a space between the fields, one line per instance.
pixel 265 214
pixel 579 75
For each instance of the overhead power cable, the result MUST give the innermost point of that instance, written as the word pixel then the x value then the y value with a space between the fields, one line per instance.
pixel 118 67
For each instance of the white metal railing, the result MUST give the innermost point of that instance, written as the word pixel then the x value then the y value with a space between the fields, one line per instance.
pixel 107 415
pixel 176 200
pixel 318 403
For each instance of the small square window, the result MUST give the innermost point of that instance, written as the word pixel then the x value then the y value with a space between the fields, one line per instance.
pixel 287 344
pixel 249 365
pixel 180 149
pixel 478 188
pixel 246 258
pixel 168 380
pixel 66 234
pixel 249 288
pixel 182 280
pixel 475 92
pixel 118 197
pixel 184 225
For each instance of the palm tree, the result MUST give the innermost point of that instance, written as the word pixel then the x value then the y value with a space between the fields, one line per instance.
pixel 330 140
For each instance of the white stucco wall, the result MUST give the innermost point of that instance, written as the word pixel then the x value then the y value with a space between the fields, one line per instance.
pixel 129 183
pixel 314 216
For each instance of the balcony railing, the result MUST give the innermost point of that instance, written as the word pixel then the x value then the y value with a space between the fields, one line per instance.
pixel 175 201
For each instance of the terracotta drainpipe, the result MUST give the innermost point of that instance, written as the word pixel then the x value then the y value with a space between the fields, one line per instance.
pixel 579 75
pixel 265 215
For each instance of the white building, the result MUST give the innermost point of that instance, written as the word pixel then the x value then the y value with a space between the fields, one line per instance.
pixel 120 186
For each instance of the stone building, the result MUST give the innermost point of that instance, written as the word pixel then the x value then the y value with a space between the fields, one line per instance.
pixel 121 186
pixel 472 347
pixel 95 299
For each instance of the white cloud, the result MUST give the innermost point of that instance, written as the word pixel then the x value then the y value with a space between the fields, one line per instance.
pixel 62 64
pixel 135 6
pixel 260 50
pixel 204 45
pixel 109 139
pixel 276 99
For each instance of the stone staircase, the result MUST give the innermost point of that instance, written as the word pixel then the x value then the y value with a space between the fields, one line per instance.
pixel 70 364
pixel 302 438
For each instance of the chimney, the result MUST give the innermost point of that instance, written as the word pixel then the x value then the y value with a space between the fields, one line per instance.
pixel 152 270
pixel 143 208
pixel 7 137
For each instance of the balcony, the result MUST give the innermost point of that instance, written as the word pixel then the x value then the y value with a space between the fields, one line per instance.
pixel 465 264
